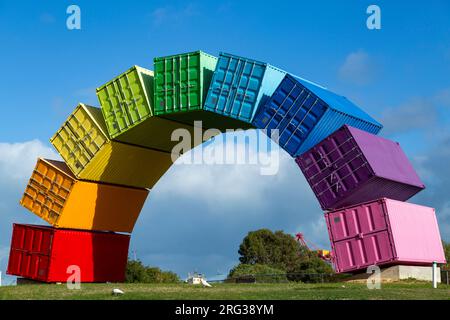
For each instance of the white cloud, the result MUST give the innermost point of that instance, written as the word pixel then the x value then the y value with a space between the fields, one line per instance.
pixel 418 113
pixel 17 160
pixel 226 184
pixel 358 68
pixel 443 97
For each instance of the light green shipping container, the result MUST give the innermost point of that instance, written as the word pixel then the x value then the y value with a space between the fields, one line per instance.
pixel 126 103
pixel 181 84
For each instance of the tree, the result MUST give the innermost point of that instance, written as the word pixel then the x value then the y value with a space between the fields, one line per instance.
pixel 311 268
pixel 446 246
pixel 138 273
pixel 280 251
pixel 275 249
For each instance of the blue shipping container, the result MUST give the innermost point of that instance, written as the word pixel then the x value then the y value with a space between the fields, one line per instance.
pixel 306 113
pixel 240 85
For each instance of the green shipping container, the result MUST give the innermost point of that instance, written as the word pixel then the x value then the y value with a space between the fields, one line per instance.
pixel 181 84
pixel 126 103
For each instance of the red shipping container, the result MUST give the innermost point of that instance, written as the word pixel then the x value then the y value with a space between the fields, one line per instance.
pixel 45 254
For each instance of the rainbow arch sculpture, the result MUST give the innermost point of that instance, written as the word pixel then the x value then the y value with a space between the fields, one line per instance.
pixel 115 154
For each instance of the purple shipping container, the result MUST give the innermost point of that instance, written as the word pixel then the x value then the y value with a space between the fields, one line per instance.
pixel 384 232
pixel 352 166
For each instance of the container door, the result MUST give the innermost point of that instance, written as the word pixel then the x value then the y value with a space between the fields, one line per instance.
pixel 178 83
pixel 135 105
pixel 235 87
pixel 294 111
pixel 335 167
pixel 360 236
pixel 247 88
pixel 364 251
pixel 112 108
pixel 78 140
pixel 42 203
pixel 189 82
pixel 125 100
pixel 30 252
pixel 352 222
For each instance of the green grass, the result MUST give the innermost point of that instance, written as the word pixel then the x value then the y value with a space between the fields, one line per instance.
pixel 283 291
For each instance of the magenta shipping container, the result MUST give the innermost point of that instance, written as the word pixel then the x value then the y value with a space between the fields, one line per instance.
pixel 384 232
pixel 352 166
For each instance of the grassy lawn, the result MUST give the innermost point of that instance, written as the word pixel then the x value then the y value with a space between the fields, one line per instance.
pixel 283 291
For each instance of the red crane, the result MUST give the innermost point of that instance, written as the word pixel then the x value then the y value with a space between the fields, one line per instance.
pixel 321 253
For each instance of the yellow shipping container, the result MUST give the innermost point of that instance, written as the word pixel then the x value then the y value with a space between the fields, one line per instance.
pixel 84 145
pixel 54 194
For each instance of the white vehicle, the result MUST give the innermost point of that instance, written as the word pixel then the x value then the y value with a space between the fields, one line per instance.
pixel 197 279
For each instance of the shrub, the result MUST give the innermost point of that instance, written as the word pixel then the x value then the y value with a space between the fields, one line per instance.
pixel 138 273
pixel 256 273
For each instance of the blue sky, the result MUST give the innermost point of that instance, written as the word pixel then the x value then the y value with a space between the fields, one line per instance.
pixel 195 217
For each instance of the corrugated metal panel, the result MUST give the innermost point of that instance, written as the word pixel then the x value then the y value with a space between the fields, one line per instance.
pixel 127 165
pixel 305 117
pixel 181 81
pixel 127 100
pixel 240 85
pixel 377 188
pixel 332 121
pixel 415 232
pixel 340 173
pixel 44 254
pixel 94 157
pixel 156 133
pixel 338 103
pixel 383 232
pixel 56 196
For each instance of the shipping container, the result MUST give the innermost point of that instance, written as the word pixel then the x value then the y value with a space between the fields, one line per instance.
pixel 83 143
pixel 48 254
pixel 54 194
pixel 305 113
pixel 384 232
pixel 181 84
pixel 240 86
pixel 126 103
pixel 352 166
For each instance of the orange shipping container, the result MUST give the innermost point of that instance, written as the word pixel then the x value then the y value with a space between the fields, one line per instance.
pixel 54 194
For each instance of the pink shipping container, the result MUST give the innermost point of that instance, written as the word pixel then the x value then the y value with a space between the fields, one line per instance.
pixel 384 232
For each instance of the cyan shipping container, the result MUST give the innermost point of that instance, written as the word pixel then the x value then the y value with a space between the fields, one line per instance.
pixel 240 85
pixel 306 113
